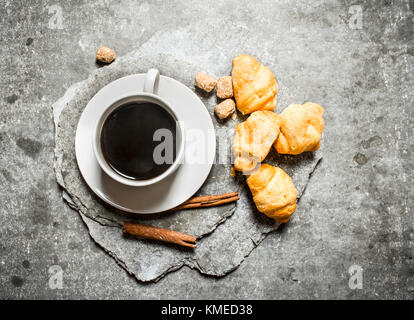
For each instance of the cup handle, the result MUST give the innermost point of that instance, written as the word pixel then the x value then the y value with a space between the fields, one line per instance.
pixel 152 80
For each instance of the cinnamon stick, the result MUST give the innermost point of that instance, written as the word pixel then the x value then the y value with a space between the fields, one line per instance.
pixel 149 232
pixel 208 201
pixel 171 236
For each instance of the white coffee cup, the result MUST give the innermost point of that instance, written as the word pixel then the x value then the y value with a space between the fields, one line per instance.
pixel 149 94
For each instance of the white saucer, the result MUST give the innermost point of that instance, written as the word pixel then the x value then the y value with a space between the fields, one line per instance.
pixel 176 188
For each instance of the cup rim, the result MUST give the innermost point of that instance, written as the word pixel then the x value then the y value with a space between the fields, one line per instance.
pixel 116 103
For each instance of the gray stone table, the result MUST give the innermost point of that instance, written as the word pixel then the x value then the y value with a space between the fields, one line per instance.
pixel 353 57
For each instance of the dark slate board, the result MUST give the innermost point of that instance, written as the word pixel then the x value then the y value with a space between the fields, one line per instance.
pixel 226 234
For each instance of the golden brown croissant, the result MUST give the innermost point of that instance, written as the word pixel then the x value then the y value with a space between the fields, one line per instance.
pixel 253 139
pixel 301 128
pixel 273 192
pixel 254 85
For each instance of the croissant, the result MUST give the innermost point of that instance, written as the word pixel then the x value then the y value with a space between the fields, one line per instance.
pixel 301 128
pixel 254 85
pixel 253 139
pixel 273 192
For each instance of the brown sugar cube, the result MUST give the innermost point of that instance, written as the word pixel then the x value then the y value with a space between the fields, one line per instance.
pixel 104 54
pixel 225 87
pixel 225 108
pixel 205 81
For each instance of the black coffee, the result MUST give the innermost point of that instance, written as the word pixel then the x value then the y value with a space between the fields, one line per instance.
pixel 127 140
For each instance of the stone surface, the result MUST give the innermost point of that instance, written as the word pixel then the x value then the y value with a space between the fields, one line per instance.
pixel 354 212
pixel 216 254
